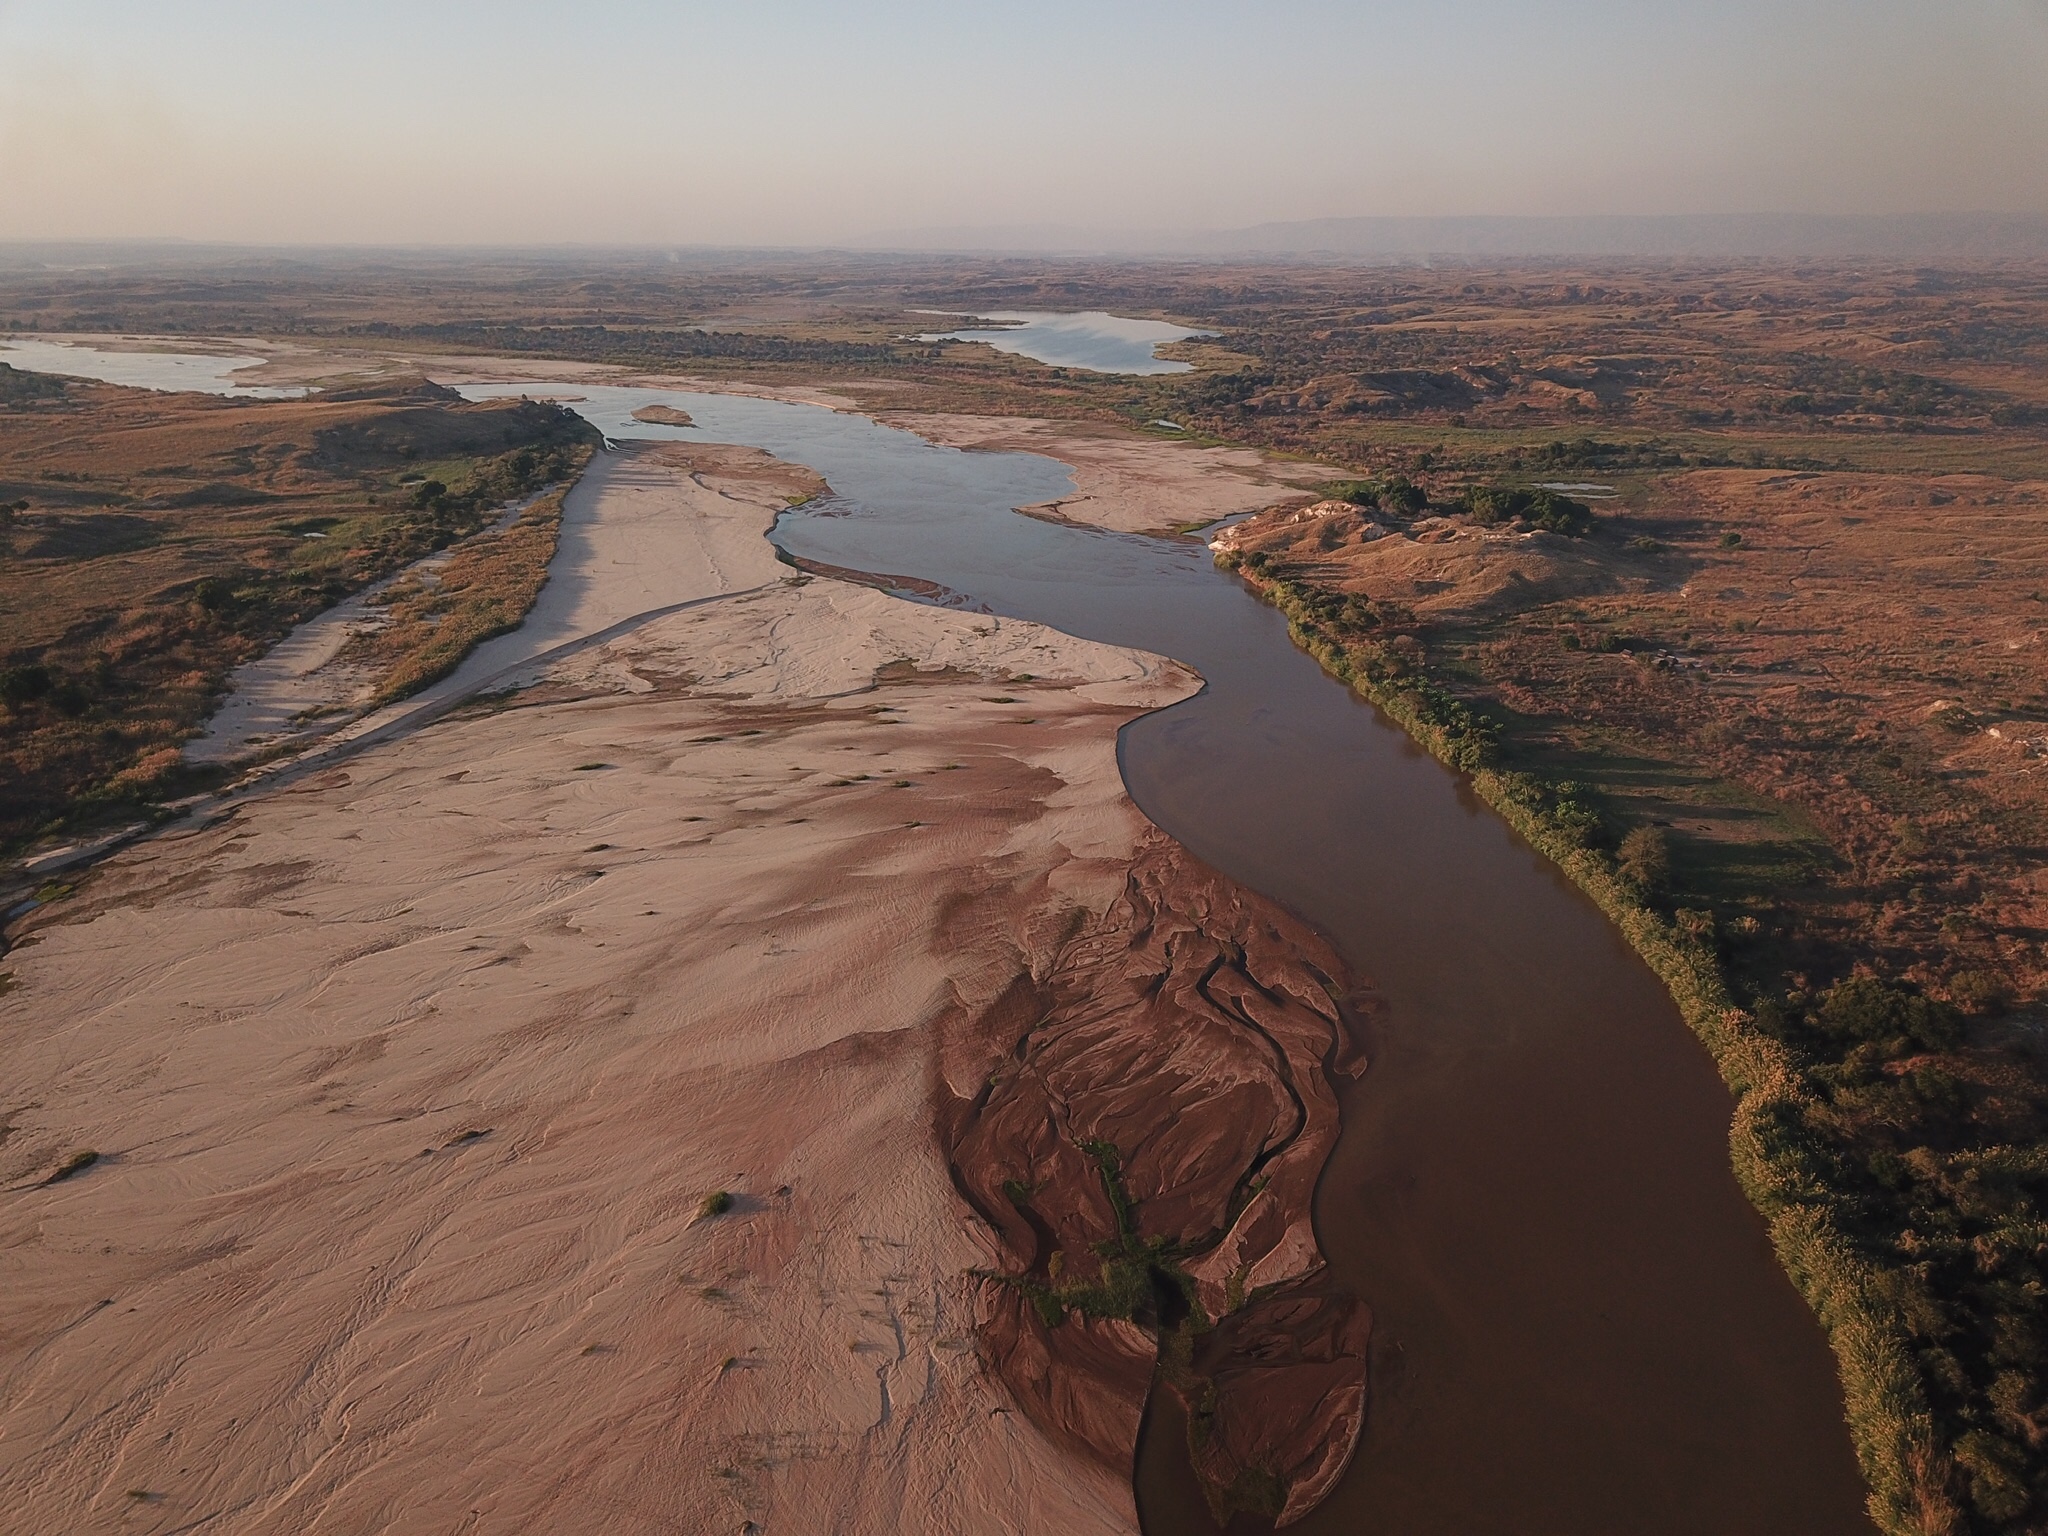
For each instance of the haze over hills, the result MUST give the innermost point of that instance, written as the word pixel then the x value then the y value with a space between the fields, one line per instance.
pixel 1952 239
pixel 1938 237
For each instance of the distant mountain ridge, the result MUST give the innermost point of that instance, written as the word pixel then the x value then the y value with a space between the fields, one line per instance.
pixel 1933 239
pixel 1923 237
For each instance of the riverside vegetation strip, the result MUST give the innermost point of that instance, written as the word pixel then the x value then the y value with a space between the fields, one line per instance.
pixel 152 542
pixel 484 590
pixel 1894 1200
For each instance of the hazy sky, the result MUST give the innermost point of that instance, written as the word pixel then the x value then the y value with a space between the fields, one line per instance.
pixel 753 121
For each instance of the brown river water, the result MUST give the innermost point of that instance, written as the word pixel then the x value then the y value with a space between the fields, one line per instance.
pixel 1580 1329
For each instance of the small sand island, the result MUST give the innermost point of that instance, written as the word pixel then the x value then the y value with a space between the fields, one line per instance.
pixel 663 416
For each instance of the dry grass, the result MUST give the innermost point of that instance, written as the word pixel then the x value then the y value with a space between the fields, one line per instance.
pixel 484 590
pixel 169 538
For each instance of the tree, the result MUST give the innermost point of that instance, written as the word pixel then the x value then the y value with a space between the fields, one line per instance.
pixel 1645 860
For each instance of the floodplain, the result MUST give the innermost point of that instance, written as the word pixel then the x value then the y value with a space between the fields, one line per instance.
pixel 1718 584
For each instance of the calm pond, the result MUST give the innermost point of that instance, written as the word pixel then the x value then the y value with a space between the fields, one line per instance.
pixel 170 372
pixel 1090 340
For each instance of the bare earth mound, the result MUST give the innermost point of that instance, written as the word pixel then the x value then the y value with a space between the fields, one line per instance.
pixel 1436 566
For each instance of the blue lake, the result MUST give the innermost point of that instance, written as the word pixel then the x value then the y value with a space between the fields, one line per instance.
pixel 172 372
pixel 1091 340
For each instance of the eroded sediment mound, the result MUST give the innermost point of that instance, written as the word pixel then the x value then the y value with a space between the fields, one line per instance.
pixel 1144 1128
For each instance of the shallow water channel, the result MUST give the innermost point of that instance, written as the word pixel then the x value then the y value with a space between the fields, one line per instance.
pixel 205 373
pixel 1579 1325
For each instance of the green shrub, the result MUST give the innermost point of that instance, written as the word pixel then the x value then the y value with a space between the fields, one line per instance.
pixel 1894 1017
pixel 1360 493
pixel 1399 494
pixel 25 684
pixel 1645 860
pixel 1488 505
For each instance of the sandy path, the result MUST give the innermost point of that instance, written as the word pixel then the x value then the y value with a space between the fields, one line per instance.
pixel 407 1083
pixel 1125 482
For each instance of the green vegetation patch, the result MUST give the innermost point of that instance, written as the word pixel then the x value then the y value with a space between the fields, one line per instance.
pixel 1131 1270
pixel 1489 505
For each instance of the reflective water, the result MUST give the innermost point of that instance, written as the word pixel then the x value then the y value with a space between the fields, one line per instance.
pixel 1580 1327
pixel 171 372
pixel 1091 340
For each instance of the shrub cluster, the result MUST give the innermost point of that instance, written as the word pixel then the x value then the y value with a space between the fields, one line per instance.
pixel 1395 493
pixel 1489 505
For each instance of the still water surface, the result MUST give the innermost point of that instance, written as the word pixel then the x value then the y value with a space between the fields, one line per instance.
pixel 170 372
pixel 1580 1327
pixel 1091 340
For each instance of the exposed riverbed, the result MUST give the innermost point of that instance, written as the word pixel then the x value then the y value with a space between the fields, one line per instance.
pixel 1580 1327
pixel 141 368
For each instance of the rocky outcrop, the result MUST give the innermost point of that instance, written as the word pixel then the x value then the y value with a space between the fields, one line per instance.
pixel 1145 1141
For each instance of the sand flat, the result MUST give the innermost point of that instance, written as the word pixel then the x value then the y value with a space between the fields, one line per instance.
pixel 1125 482
pixel 407 1092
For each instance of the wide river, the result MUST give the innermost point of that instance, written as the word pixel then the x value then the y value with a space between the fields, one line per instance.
pixel 1580 1329
pixel 1580 1326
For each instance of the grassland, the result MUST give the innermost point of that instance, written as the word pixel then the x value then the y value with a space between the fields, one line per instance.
pixel 154 542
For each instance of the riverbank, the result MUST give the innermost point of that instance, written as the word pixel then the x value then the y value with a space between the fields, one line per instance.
pixel 1901 1453
pixel 151 544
